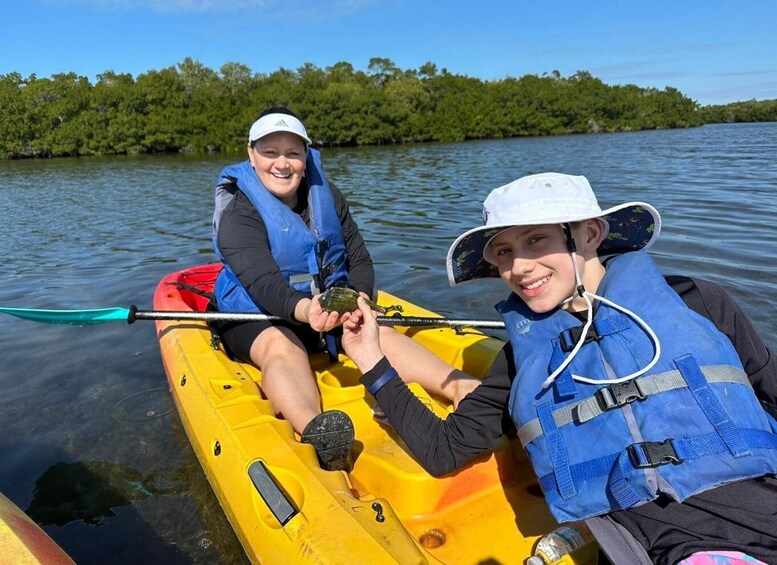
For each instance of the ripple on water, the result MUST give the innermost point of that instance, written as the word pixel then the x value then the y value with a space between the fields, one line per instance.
pixel 143 406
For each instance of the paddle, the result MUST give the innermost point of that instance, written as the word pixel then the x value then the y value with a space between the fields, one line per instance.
pixel 129 315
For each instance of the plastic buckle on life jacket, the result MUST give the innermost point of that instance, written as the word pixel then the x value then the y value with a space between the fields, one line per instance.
pixel 568 338
pixel 344 284
pixel 619 394
pixel 650 454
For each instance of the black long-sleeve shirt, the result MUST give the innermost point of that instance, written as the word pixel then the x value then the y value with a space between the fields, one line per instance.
pixel 244 244
pixel 735 517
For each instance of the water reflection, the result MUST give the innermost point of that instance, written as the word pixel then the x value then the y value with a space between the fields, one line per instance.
pixel 88 491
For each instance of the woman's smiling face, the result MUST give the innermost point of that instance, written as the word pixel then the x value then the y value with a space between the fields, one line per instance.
pixel 279 162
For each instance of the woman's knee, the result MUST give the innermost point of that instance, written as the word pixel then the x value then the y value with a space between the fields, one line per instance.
pixel 276 343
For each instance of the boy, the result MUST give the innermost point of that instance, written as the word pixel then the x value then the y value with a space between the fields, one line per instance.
pixel 633 395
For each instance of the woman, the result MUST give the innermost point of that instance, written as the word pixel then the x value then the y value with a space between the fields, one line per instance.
pixel 285 234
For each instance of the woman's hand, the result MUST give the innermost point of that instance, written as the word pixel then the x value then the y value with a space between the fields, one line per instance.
pixel 361 339
pixel 321 320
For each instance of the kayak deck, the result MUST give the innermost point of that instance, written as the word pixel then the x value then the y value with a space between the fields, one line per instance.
pixel 286 509
pixel 23 542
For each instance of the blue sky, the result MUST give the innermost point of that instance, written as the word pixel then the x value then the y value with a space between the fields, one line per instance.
pixel 713 51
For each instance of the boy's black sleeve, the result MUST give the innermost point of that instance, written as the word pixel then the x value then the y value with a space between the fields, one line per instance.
pixel 715 304
pixel 441 446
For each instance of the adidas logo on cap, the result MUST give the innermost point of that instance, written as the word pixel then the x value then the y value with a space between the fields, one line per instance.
pixel 277 122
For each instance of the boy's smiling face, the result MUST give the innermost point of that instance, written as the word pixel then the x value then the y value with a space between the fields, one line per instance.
pixel 535 263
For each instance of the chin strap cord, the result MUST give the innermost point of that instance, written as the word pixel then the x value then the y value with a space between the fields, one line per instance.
pixel 589 297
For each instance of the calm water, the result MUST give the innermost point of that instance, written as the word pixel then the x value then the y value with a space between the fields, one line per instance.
pixel 91 445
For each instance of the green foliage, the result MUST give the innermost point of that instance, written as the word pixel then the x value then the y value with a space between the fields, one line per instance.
pixel 749 111
pixel 191 108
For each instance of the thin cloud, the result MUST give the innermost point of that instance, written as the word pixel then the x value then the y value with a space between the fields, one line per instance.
pixel 624 67
pixel 169 5
pixel 681 49
pixel 647 70
pixel 633 74
pixel 665 75
pixel 654 57
pixel 633 71
pixel 766 90
pixel 270 7
pixel 747 74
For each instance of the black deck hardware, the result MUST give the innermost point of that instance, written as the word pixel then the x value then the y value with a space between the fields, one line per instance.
pixel 276 500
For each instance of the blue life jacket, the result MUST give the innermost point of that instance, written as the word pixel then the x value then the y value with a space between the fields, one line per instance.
pixel 309 258
pixel 689 424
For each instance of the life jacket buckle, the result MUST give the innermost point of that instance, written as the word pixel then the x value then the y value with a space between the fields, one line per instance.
pixel 619 394
pixel 651 454
pixel 325 271
pixel 569 338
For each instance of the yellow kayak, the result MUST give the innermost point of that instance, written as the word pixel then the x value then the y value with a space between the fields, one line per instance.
pixel 23 542
pixel 285 509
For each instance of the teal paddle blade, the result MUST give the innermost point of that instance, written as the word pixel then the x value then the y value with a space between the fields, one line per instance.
pixel 72 317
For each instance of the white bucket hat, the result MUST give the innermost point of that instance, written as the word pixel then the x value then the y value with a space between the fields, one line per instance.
pixel 548 198
pixel 277 122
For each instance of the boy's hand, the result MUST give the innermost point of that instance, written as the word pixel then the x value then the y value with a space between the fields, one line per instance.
pixel 361 337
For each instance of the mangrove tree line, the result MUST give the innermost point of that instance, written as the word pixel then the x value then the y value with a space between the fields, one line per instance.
pixel 192 108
